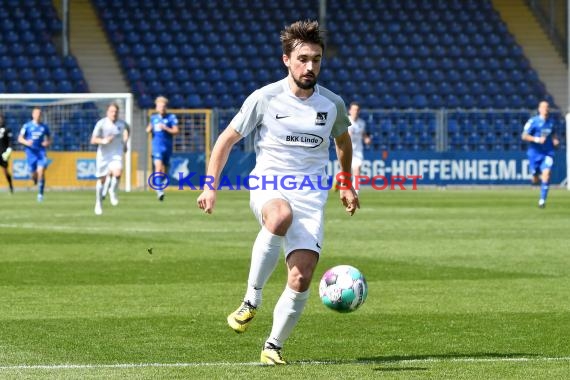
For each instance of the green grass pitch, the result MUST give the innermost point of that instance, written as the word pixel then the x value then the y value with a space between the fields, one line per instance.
pixel 463 284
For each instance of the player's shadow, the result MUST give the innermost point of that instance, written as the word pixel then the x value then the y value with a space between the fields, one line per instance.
pixel 410 360
pixel 395 359
pixel 400 369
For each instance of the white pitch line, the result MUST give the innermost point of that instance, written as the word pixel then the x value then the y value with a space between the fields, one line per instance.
pixel 230 364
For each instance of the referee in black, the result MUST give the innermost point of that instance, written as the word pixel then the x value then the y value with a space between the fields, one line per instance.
pixel 5 150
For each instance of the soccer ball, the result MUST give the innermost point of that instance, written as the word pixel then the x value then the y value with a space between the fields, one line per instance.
pixel 343 288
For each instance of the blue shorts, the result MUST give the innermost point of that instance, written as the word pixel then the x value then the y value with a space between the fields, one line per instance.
pixel 540 162
pixel 162 156
pixel 36 160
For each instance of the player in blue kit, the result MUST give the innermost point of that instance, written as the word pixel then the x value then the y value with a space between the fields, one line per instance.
pixel 162 127
pixel 36 137
pixel 540 132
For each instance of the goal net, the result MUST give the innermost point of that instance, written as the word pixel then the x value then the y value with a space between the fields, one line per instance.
pixel 70 118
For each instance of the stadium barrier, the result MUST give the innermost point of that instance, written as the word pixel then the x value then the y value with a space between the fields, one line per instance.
pixel 66 170
pixel 434 168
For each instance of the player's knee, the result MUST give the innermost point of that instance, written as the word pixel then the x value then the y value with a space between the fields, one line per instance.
pixel 277 217
pixel 301 264
pixel 278 224
pixel 300 280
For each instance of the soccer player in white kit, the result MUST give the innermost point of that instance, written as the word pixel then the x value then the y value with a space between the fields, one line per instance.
pixel 111 136
pixel 359 137
pixel 292 120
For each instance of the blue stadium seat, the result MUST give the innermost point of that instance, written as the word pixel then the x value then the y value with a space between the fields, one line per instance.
pixel 54 61
pixel 21 62
pixel 209 100
pixel 59 73
pixel 406 75
pixel 405 41
pixel 31 87
pixel 436 101
pixel 176 100
pixel 456 76
pixel 516 101
pixel 14 86
pixel 438 75
pixel 420 101
pixel 172 87
pixel 149 74
pixel 445 89
pixel 26 74
pixel 47 86
pixel 38 62
pixel 187 87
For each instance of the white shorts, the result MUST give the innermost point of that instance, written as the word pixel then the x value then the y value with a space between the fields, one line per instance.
pixel 105 166
pixel 356 162
pixel 357 158
pixel 306 230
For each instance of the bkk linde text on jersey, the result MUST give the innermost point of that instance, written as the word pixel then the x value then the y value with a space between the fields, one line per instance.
pixel 302 139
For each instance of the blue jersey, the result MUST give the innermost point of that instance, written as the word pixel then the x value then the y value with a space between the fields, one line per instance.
pixel 162 140
pixel 37 133
pixel 538 127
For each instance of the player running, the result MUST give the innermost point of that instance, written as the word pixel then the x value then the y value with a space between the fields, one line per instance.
pixel 36 137
pixel 359 137
pixel 162 127
pixel 111 136
pixel 292 120
pixel 540 131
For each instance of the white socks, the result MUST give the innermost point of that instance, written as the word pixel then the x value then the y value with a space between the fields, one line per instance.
pixel 98 190
pixel 106 185
pixel 286 315
pixel 114 184
pixel 264 257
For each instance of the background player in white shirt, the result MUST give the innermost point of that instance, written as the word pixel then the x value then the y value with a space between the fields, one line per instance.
pixel 359 137
pixel 292 120
pixel 111 134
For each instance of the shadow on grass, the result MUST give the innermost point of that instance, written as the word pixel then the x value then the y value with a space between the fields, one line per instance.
pixel 481 356
pixel 396 359
pixel 405 363
pixel 400 369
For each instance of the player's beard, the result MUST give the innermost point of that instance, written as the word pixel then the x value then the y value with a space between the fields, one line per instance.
pixel 305 84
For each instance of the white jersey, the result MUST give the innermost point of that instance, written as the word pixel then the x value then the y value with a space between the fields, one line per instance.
pixel 356 130
pixel 291 134
pixel 114 150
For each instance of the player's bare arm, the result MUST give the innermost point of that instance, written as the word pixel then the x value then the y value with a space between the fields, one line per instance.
pixel 25 142
pixel 227 139
pixel 174 130
pixel 125 139
pixel 46 142
pixel 348 197
pixel 530 138
pixel 101 140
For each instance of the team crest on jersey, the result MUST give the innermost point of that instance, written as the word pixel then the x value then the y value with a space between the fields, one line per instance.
pixel 321 118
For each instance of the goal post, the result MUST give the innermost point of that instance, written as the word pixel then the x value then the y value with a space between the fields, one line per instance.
pixel 71 119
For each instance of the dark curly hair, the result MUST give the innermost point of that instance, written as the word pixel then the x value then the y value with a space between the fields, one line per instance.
pixel 301 32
